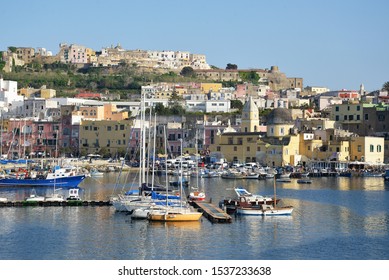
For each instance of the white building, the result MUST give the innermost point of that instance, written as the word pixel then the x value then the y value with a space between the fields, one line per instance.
pixel 217 106
pixel 8 94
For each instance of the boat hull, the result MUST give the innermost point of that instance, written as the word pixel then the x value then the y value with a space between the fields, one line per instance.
pixel 65 182
pixel 283 211
pixel 175 216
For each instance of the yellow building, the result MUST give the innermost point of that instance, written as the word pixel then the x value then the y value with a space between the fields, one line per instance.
pixel 277 149
pixel 47 93
pixel 104 136
pixel 106 112
pixel 207 87
pixel 367 149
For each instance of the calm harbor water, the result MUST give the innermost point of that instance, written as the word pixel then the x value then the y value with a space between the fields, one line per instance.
pixel 334 218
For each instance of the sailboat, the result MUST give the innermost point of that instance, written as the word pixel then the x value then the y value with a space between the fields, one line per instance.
pixel 246 208
pixel 34 197
pixel 55 197
pixel 196 194
pixel 183 213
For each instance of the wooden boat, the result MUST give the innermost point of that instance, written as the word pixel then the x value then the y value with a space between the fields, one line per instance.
pixel 230 205
pixel 246 208
pixel 265 210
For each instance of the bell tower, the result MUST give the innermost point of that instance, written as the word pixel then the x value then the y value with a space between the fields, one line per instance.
pixel 250 117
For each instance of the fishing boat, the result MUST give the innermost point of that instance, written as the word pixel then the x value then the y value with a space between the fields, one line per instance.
pixel 246 208
pixel 230 205
pixel 61 177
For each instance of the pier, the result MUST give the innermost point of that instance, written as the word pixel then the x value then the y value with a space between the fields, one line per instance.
pixel 212 212
pixel 55 203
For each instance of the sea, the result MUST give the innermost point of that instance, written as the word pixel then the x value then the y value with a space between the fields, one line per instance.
pixel 334 218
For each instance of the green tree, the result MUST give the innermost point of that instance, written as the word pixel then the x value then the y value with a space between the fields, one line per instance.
pixel 187 72
pixel 237 104
pixel 231 66
pixel 12 49
pixel 159 109
pixel 250 76
pixel 385 87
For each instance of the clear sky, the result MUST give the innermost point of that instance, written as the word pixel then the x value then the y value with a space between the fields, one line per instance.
pixel 331 43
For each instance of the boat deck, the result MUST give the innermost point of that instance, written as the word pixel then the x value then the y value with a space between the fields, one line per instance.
pixel 212 212
pixel 55 203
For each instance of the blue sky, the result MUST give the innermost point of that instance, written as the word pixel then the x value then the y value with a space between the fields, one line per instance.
pixel 336 44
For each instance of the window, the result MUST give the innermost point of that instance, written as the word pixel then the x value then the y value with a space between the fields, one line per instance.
pixel 345 117
pixel 337 109
pixel 309 148
pixel 218 148
pixel 337 117
pixel 351 117
pixel 122 127
pixel 109 128
pixel 358 108
pixel 235 148
pixel 359 148
pixel 371 148
pixel 366 117
pixel 248 149
pixel 358 117
pixel 378 148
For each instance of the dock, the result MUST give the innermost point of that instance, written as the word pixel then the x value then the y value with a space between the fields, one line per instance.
pixel 212 212
pixel 55 203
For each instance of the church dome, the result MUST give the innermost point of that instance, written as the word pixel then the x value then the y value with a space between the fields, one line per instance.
pixel 279 116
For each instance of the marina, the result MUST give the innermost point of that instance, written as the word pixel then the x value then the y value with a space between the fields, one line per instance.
pixel 333 218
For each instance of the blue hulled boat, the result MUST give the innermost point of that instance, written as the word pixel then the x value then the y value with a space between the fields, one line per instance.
pixel 60 178
pixel 61 182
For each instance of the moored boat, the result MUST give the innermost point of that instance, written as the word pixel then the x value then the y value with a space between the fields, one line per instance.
pixel 304 181
pixel 62 177
pixel 230 205
pixel 175 214
pixel 265 210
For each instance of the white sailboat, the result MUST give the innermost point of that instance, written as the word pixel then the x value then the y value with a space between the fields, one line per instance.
pixel 183 213
pixel 196 194
pixel 55 197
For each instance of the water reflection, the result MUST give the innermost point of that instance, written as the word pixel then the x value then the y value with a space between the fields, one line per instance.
pixel 332 218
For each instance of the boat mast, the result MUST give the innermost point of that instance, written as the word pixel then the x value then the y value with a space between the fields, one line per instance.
pixel 275 194
pixel 154 134
pixel 166 176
